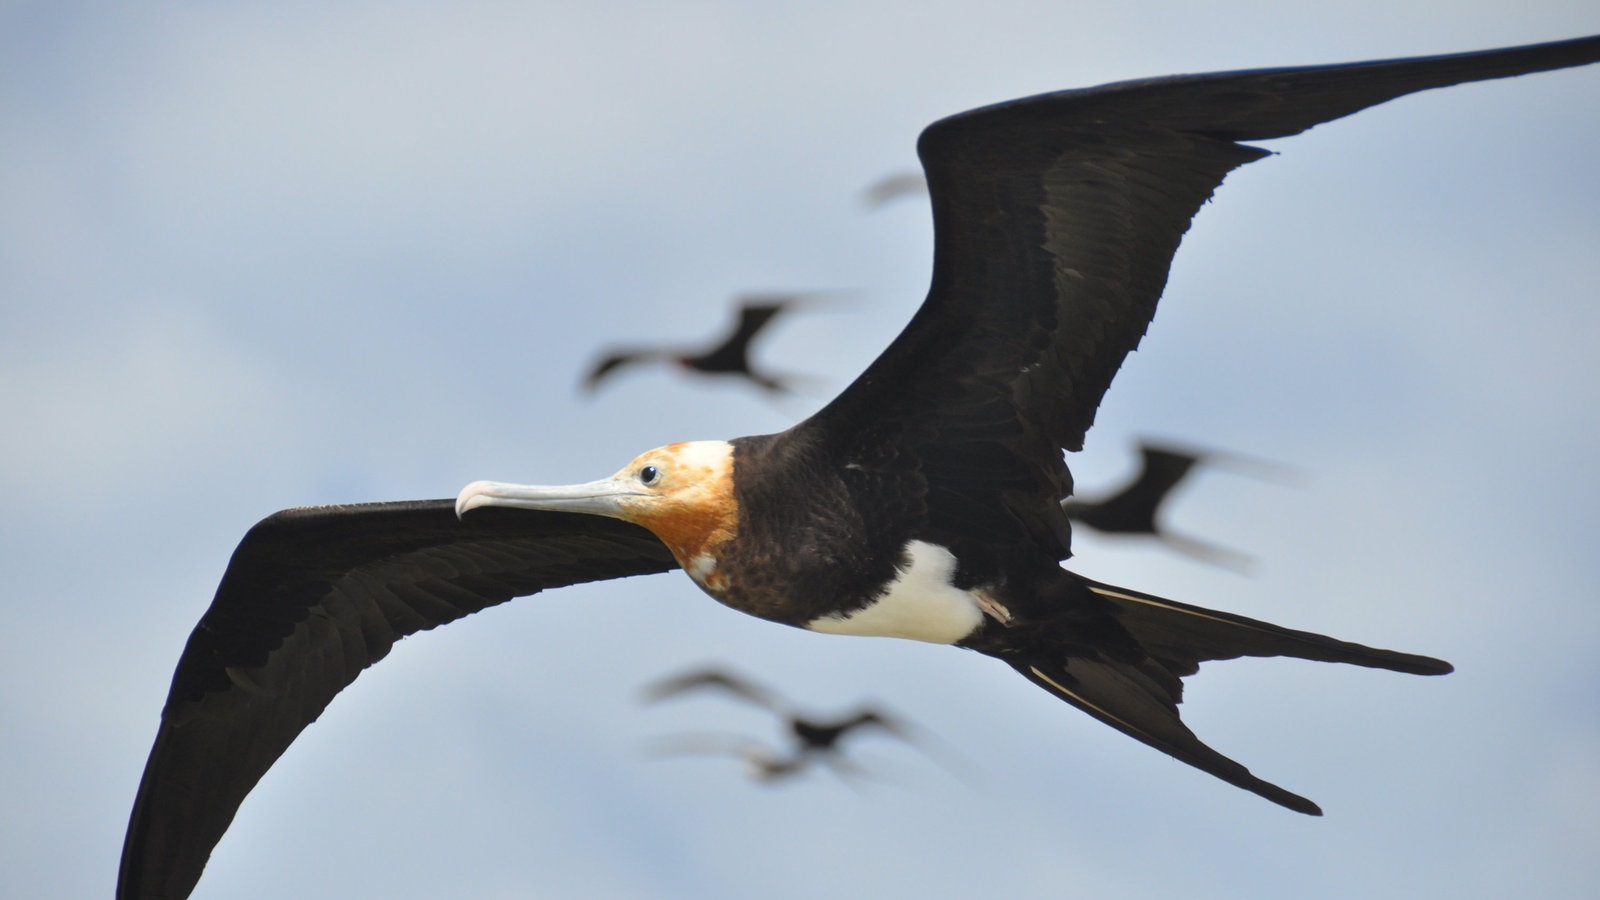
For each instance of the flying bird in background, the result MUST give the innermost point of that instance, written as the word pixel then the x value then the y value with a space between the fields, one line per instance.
pixel 814 739
pixel 923 502
pixel 812 735
pixel 1135 508
pixel 729 357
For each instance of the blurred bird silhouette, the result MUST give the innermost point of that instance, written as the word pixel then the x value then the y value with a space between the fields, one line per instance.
pixel 761 763
pixel 814 739
pixel 1135 508
pixel 729 357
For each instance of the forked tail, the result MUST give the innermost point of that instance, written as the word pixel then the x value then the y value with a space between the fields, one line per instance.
pixel 1140 697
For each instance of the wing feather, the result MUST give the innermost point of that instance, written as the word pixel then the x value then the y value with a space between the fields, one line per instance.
pixel 310 598
pixel 1055 220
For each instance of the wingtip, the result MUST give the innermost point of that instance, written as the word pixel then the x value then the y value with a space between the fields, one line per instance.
pixel 1415 664
pixel 1297 803
pixel 1267 790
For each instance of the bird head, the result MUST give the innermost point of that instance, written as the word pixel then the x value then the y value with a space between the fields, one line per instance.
pixel 682 492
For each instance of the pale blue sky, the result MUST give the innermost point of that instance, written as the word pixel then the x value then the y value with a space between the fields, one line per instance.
pixel 259 256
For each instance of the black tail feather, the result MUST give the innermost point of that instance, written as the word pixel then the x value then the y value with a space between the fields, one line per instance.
pixel 1183 636
pixel 1129 674
pixel 1121 696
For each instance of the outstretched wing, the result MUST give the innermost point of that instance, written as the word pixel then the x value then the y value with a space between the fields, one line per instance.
pixel 717 680
pixel 1055 219
pixel 613 360
pixel 311 597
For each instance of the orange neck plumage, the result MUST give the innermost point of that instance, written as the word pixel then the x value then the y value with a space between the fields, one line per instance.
pixel 696 514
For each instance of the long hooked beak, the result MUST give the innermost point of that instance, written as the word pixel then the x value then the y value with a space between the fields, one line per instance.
pixel 596 498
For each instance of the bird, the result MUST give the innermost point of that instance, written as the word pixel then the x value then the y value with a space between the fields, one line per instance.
pixel 1134 508
pixel 729 357
pixel 814 739
pixel 922 502
pixel 811 735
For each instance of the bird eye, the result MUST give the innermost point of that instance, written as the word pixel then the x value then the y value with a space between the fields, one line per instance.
pixel 649 475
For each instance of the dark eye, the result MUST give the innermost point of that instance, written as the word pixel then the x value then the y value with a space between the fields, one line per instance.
pixel 649 475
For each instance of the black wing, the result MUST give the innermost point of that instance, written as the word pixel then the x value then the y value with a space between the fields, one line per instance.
pixel 311 597
pixel 616 359
pixel 714 678
pixel 1133 509
pixel 1055 220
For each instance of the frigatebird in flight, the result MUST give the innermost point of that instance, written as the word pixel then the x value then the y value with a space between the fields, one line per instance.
pixel 1135 508
pixel 923 502
pixel 813 738
pixel 811 734
pixel 729 357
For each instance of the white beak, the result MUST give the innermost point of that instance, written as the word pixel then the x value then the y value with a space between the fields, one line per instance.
pixel 596 498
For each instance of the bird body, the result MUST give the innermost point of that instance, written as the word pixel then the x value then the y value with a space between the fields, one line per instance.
pixel 833 557
pixel 923 502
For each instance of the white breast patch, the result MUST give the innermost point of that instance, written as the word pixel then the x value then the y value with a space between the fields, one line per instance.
pixel 920 603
